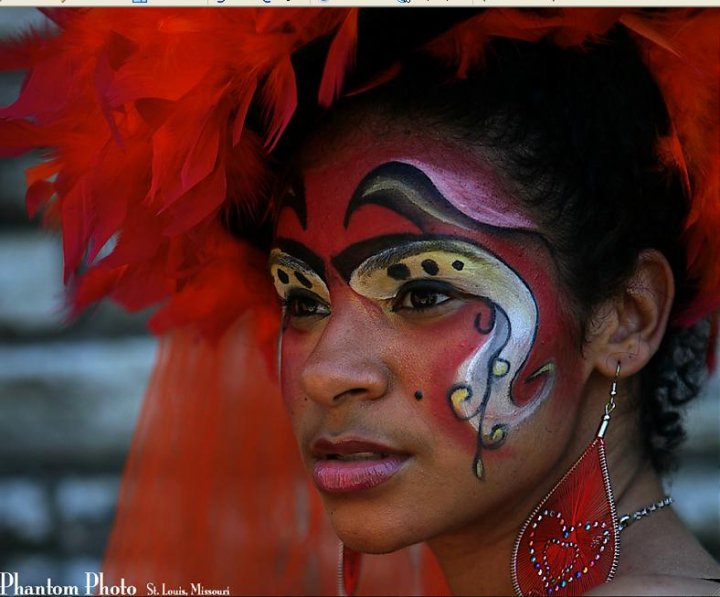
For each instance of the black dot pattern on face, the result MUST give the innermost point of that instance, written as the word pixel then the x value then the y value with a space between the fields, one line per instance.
pixel 282 276
pixel 430 267
pixel 458 265
pixel 398 271
pixel 418 395
pixel 303 280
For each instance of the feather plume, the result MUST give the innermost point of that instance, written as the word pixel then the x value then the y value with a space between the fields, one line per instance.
pixel 144 119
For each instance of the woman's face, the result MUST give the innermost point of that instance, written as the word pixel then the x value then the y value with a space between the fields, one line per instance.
pixel 429 363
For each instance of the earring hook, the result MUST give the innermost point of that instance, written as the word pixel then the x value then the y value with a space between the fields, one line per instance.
pixel 610 404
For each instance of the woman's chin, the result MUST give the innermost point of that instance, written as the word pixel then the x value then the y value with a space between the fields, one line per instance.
pixel 375 537
pixel 377 545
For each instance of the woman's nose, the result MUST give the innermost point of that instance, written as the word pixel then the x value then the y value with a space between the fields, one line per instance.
pixel 346 362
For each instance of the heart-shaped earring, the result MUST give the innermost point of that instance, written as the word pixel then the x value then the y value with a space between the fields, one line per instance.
pixel 569 544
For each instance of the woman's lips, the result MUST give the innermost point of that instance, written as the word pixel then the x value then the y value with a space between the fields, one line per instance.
pixel 353 465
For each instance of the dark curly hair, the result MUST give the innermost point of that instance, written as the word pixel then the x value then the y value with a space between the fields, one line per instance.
pixel 578 130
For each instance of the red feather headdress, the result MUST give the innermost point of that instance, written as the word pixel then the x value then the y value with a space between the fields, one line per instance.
pixel 154 125
pixel 143 118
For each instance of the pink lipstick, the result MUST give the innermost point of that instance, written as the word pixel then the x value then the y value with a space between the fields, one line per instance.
pixel 353 465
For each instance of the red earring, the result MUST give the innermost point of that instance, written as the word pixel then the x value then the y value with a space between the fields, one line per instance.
pixel 348 571
pixel 569 544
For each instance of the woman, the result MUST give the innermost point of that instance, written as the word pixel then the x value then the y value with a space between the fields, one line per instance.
pixel 479 264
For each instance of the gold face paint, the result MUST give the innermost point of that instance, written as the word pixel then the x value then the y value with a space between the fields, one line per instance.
pixel 290 275
pixel 465 266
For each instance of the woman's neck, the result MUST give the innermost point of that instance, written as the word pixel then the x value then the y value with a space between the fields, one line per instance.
pixel 475 562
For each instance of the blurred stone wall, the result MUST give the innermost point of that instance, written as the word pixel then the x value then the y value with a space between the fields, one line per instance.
pixel 69 396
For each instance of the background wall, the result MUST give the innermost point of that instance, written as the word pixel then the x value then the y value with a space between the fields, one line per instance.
pixel 69 396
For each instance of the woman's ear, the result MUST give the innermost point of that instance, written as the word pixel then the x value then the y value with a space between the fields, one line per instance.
pixel 631 326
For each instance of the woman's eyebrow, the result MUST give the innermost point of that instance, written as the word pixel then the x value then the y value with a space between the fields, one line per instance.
pixel 302 253
pixel 409 192
pixel 393 247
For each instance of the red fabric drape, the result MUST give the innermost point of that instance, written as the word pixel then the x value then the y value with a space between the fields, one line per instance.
pixel 214 491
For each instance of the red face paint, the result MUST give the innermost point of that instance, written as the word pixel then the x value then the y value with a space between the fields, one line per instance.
pixel 417 272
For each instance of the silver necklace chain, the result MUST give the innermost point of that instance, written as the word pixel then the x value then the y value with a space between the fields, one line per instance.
pixel 627 519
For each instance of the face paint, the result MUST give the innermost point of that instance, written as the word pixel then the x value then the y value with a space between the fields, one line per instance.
pixel 300 288
pixel 432 334
pixel 445 314
pixel 408 191
pixel 466 269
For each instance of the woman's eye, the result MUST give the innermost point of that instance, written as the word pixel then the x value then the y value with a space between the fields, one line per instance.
pixel 302 305
pixel 421 297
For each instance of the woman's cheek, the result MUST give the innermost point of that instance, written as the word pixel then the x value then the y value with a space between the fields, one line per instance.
pixel 559 340
pixel 293 351
pixel 430 358
pixel 472 395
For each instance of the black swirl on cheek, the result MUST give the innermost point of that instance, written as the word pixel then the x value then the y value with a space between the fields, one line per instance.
pixel 485 321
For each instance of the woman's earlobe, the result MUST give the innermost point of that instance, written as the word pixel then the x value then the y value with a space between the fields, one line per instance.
pixel 636 322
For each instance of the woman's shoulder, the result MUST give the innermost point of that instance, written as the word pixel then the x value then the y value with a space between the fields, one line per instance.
pixel 658 584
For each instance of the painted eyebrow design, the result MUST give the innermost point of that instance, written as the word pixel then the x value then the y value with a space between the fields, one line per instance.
pixel 407 191
pixel 301 252
pixel 393 245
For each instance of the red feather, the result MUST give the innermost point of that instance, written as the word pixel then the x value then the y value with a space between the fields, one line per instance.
pixel 112 194
pixel 340 59
pixel 176 139
pixel 201 201
pixel 279 100
pixel 95 285
pixel 202 154
pixel 18 137
pixel 76 224
pixel 38 194
pixel 245 96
